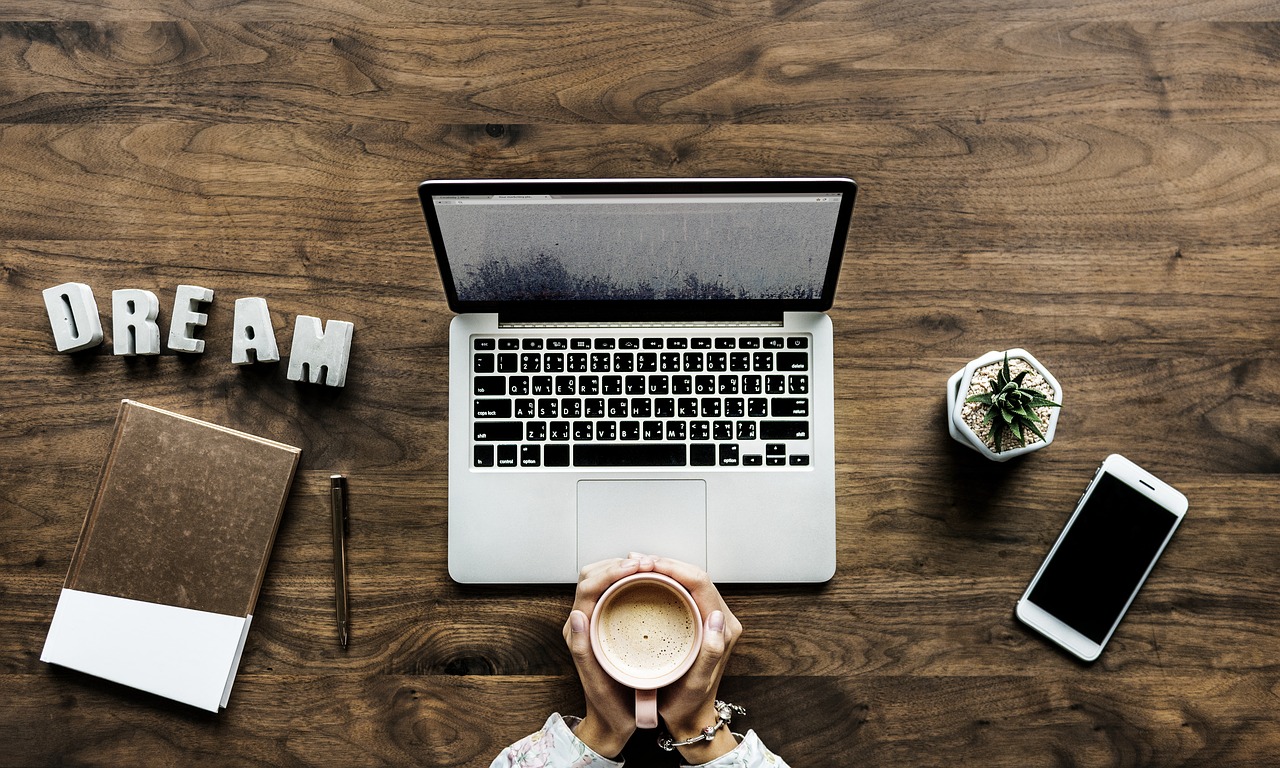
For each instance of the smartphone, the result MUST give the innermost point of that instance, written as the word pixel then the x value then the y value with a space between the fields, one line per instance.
pixel 1120 525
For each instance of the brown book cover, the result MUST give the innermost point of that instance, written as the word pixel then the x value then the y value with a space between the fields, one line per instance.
pixel 185 513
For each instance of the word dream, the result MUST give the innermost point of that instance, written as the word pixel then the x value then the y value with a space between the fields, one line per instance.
pixel 319 353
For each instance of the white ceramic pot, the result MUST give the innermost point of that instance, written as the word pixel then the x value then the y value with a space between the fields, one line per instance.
pixel 959 383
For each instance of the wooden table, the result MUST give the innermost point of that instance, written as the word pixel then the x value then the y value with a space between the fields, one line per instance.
pixel 1094 181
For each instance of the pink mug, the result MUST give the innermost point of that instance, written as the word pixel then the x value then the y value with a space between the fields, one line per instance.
pixel 646 631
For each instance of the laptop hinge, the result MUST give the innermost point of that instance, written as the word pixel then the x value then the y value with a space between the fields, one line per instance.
pixel 768 323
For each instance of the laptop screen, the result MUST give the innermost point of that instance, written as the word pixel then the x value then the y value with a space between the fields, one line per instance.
pixel 673 248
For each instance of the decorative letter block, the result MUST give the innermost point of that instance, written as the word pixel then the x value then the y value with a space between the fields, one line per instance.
pixel 185 320
pixel 73 314
pixel 253 333
pixel 320 356
pixel 133 322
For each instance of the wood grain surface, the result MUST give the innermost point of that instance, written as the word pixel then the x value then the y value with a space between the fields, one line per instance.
pixel 1095 181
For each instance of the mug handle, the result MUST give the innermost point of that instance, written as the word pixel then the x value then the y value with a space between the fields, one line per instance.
pixel 646 708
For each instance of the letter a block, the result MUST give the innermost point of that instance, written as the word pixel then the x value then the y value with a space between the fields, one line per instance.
pixel 133 322
pixel 73 315
pixel 320 355
pixel 252 333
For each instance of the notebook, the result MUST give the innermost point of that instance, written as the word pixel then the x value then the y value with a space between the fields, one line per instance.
pixel 163 580
pixel 640 365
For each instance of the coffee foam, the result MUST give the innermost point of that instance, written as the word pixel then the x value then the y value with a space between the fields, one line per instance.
pixel 646 630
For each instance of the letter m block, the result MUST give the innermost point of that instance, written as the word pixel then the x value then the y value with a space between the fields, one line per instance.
pixel 319 354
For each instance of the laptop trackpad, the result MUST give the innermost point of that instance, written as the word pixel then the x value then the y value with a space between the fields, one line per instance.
pixel 657 517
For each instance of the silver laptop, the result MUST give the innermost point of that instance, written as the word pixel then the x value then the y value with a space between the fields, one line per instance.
pixel 640 365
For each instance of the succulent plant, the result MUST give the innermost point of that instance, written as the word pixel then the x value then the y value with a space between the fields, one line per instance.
pixel 1011 406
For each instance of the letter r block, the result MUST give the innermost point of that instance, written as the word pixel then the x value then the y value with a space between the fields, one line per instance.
pixel 320 355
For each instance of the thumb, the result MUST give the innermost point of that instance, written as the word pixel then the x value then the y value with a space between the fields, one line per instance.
pixel 579 638
pixel 712 647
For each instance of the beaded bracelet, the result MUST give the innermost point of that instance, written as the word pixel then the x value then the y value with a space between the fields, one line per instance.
pixel 724 716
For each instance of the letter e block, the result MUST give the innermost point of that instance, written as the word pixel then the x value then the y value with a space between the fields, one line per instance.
pixel 73 315
pixel 133 322
pixel 253 339
pixel 320 356
pixel 185 320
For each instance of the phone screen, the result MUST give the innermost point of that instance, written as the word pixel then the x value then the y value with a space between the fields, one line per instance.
pixel 1103 557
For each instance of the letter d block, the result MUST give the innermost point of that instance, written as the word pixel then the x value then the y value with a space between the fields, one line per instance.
pixel 320 356
pixel 73 315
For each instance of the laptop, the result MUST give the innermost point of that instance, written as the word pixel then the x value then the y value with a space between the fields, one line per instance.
pixel 640 365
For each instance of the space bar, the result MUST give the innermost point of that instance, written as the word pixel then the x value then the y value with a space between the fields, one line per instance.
pixel 629 455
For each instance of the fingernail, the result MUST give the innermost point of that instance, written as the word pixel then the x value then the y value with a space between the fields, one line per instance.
pixel 630 563
pixel 578 621
pixel 715 623
pixel 645 560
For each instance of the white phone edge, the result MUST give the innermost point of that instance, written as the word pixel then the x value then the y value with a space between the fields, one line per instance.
pixel 1144 483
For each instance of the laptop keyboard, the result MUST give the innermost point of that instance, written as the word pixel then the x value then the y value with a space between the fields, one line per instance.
pixel 734 400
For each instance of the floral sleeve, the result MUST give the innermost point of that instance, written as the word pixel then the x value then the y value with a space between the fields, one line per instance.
pixel 554 746
pixel 751 753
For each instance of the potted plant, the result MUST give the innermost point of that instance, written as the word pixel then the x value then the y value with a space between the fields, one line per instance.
pixel 1003 404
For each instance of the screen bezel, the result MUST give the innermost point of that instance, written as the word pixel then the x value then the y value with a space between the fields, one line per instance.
pixel 731 309
pixel 1145 484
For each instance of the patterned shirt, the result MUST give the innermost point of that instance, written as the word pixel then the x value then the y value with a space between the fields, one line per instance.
pixel 555 746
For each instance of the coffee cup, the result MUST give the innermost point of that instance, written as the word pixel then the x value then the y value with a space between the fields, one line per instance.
pixel 646 631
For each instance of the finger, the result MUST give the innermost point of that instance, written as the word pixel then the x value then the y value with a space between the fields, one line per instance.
pixel 705 670
pixel 697 581
pixel 596 578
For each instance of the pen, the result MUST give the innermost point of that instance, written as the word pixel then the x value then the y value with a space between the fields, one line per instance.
pixel 338 507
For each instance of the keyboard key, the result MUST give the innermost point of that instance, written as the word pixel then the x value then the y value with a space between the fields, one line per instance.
pixel 799 460
pixel 797 342
pixel 617 407
pixel 757 407
pixel 710 407
pixel 628 430
pixel 553 362
pixel 699 430
pixel 722 430
pixel 693 361
pixel 740 361
pixel 775 385
pixel 548 408
pixel 576 362
pixel 727 385
pixel 762 361
pixel 483 363
pixel 498 431
pixel 746 431
pixel 784 430
pixel 524 408
pixel 535 431
pixel 507 455
pixel 557 343
pixel 489 385
pixel 558 430
pixel 734 407
pixel 611 385
pixel 630 455
pixel 793 361
pixel 651 430
pixel 676 430
pixel 641 408
pixel 798 385
pixel 606 430
pixel 788 406
pixel 669 362
pixel 628 343
pixel 624 362
pixel 604 344
pixel 717 362
pixel 687 407
pixel 508 362
pixel 773 342
pixel 634 385
pixel 531 344
pixel 702 455
pixel 555 455
pixel 483 344
pixel 566 385
pixel 658 385
pixel 749 343
pixel 570 408
pixel 700 343
pixel 682 384
pixel 647 362
pixel 593 407
pixel 517 385
pixel 600 362
pixel 493 409
pixel 725 342
pixel 704 385
pixel 775 449
pixel 652 343
pixel 677 343
pixel 728 455
pixel 664 407
pixel 508 343
pixel 752 385
pixel 580 343
pixel 530 455
pixel 588 385
pixel 751 460
pixel 541 385
pixel 483 454
pixel 583 430
pixel 776 461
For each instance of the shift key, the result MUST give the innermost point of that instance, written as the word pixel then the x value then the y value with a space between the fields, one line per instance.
pixel 499 431
pixel 782 430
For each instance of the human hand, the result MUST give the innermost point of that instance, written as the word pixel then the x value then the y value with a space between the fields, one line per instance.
pixel 688 705
pixel 611 713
